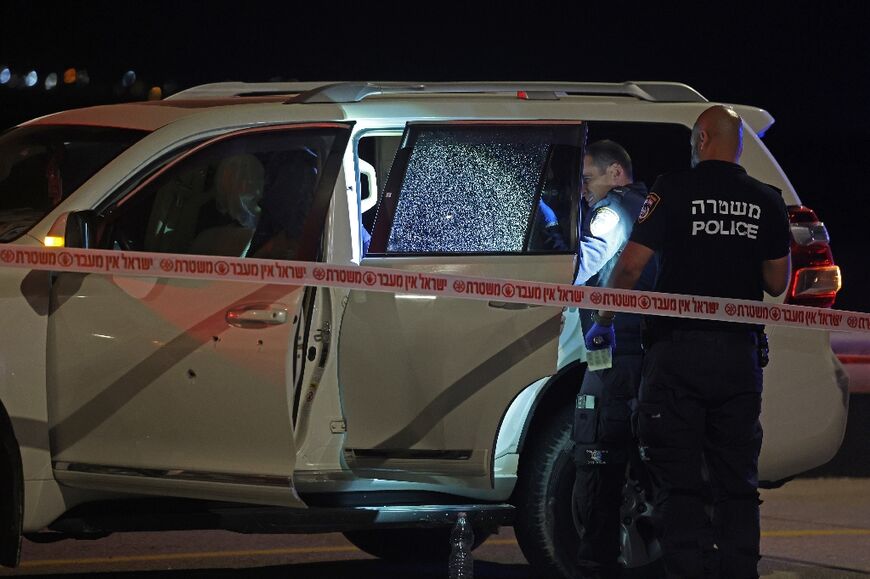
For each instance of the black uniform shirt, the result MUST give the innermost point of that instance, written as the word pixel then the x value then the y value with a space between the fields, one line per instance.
pixel 712 227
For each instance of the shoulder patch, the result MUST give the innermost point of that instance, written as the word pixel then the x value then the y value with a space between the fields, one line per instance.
pixel 603 221
pixel 652 201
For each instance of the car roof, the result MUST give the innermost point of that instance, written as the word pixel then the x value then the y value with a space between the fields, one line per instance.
pixel 146 116
pixel 349 92
pixel 342 96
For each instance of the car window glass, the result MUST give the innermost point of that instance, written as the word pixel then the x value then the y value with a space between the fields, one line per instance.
pixel 655 148
pixel 245 196
pixel 475 189
pixel 40 166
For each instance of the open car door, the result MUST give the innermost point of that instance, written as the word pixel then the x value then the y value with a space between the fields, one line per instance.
pixel 426 381
pixel 184 387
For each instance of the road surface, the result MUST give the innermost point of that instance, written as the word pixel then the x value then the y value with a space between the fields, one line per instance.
pixel 812 528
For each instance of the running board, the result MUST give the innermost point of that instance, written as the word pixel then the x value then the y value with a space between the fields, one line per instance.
pixel 441 515
pixel 99 519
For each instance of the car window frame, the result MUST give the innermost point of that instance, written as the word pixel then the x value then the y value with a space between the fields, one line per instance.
pixel 106 209
pixel 386 210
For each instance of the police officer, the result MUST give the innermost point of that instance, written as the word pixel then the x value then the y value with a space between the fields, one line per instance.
pixel 717 232
pixel 602 431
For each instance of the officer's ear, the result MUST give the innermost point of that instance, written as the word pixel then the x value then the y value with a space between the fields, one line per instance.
pixel 615 171
pixel 703 138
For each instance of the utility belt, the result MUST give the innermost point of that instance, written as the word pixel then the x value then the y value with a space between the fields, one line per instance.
pixel 758 338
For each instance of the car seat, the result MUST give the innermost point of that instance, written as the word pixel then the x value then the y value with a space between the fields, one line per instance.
pixel 238 190
pixel 172 223
pixel 286 202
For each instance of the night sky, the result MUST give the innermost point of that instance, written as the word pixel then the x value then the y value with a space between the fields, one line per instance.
pixel 805 62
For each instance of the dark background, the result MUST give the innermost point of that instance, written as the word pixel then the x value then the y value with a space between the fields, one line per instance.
pixel 806 63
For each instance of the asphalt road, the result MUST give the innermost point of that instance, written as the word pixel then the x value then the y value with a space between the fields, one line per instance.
pixel 812 528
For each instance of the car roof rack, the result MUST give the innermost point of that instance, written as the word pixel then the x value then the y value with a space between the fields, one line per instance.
pixel 245 89
pixel 352 92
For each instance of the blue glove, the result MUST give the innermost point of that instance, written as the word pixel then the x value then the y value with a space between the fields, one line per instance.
pixel 548 214
pixel 366 239
pixel 600 336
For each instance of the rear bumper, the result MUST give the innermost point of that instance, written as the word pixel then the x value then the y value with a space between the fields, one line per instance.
pixel 805 403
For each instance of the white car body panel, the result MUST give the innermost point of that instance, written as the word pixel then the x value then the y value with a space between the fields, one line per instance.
pixel 144 380
pixel 475 357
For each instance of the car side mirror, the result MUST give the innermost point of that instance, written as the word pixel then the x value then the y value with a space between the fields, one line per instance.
pixel 72 229
pixel 80 231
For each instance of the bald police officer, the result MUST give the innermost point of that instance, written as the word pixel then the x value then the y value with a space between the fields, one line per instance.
pixel 718 232
pixel 602 431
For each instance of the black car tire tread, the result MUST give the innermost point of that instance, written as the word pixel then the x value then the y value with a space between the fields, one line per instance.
pixel 535 525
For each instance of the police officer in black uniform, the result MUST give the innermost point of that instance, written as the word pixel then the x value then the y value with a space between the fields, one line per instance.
pixel 602 432
pixel 718 232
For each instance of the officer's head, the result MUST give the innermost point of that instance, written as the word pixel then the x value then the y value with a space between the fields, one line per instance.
pixel 605 166
pixel 717 135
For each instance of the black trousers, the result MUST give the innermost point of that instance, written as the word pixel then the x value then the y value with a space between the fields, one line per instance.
pixel 699 430
pixel 604 444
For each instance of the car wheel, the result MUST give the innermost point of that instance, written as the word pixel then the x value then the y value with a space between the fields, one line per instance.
pixel 406 545
pixel 544 524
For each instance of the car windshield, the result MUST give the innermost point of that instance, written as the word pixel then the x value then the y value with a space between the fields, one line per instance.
pixel 40 166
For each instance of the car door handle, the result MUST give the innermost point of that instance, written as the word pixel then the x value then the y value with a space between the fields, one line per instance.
pixel 512 306
pixel 257 316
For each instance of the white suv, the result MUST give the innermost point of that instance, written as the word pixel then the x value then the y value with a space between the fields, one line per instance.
pixel 125 399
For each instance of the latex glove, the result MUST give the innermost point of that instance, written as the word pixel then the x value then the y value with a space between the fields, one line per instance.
pixel 548 214
pixel 600 336
pixel 366 239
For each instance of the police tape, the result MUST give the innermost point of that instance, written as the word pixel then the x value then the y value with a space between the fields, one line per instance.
pixel 303 273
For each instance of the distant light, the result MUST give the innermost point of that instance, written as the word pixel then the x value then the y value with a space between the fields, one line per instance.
pixel 31 78
pixel 128 79
pixel 155 93
pixel 51 81
pixel 69 76
pixel 5 75
pixel 82 77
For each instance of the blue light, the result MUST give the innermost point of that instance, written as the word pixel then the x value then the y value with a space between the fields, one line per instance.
pixel 5 75
pixel 31 78
pixel 128 79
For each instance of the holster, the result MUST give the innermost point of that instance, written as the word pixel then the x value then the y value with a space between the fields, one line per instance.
pixel 763 348
pixel 646 336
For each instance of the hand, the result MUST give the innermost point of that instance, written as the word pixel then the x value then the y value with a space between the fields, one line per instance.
pixel 600 336
pixel 548 214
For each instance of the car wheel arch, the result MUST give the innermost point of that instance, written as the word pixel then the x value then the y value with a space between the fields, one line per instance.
pixel 558 392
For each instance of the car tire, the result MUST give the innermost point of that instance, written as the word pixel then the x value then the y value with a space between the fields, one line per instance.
pixel 408 545
pixel 544 523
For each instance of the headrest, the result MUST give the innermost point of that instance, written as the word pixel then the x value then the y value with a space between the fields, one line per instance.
pixel 239 187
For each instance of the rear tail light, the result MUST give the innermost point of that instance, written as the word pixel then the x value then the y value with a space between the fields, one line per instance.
pixel 815 278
